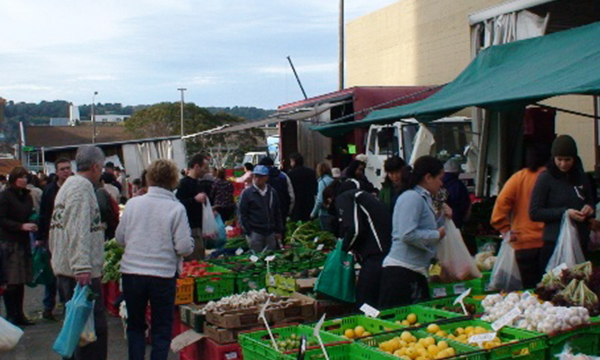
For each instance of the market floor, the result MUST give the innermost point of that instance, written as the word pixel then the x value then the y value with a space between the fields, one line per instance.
pixel 37 341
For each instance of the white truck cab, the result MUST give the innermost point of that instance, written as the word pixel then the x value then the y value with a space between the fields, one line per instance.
pixel 451 135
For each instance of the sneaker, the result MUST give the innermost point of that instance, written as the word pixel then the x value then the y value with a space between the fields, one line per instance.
pixel 47 314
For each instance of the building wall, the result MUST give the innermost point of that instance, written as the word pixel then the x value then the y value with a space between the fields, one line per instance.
pixel 428 42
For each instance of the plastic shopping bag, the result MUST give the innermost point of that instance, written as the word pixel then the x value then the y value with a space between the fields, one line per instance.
pixel 42 270
pixel 9 335
pixel 210 230
pixel 338 278
pixel 505 274
pixel 79 309
pixel 568 248
pixel 455 259
pixel 88 335
pixel 219 242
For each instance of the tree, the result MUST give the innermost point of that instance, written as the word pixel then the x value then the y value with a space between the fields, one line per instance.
pixel 164 119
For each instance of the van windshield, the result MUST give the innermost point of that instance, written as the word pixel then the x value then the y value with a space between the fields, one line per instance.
pixel 451 138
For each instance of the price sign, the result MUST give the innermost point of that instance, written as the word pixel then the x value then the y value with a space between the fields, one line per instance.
pixel 252 285
pixel 526 295
pixel 506 319
pixel 481 338
pixel 316 239
pixel 439 292
pixel 270 258
pixel 459 288
pixel 264 318
pixel 558 270
pixel 320 247
pixel 254 258
pixel 460 300
pixel 209 289
pixel 271 280
pixel 369 311
pixel 317 334
pixel 239 251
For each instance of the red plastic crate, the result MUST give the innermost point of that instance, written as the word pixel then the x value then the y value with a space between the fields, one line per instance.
pixel 210 350
pixel 111 293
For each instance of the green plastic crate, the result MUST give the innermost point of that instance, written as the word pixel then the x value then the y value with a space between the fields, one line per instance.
pixel 528 346
pixel 424 314
pixel 370 346
pixel 439 290
pixel 257 345
pixel 213 287
pixel 334 352
pixel 583 340
pixel 247 281
pixel 340 325
pixel 436 304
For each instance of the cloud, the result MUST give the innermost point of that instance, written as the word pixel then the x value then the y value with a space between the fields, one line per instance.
pixel 303 69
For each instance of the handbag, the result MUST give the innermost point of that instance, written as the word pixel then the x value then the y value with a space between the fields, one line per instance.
pixel 338 278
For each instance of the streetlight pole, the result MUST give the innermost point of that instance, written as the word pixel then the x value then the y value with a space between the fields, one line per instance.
pixel 94 118
pixel 182 90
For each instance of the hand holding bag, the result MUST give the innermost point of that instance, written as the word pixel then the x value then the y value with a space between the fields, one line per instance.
pixel 568 248
pixel 79 309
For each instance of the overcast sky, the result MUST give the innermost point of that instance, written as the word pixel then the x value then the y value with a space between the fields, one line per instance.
pixel 224 52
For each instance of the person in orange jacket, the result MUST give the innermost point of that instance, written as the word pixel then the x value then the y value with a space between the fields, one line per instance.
pixel 511 213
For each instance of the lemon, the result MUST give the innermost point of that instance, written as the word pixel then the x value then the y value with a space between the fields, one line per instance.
pixel 349 333
pixel 442 345
pixel 480 330
pixel 366 333
pixel 359 331
pixel 405 323
pixel 459 331
pixel 430 341
pixel 433 350
pixel 441 333
pixel 433 328
pixel 412 318
pixel 406 336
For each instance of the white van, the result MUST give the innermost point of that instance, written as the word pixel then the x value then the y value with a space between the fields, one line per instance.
pixel 452 135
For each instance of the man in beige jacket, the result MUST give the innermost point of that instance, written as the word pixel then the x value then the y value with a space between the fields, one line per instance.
pixel 77 242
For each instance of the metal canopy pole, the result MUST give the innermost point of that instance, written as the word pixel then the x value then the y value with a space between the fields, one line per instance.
pixel 596 99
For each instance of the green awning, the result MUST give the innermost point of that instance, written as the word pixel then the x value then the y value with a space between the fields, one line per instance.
pixel 506 76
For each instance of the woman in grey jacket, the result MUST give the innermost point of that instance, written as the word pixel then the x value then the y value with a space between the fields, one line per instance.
pixel 416 232
pixel 564 187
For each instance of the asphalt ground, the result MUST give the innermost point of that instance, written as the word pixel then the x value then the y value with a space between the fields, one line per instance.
pixel 38 339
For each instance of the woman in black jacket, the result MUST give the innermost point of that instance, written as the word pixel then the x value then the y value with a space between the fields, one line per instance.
pixel 563 187
pixel 16 209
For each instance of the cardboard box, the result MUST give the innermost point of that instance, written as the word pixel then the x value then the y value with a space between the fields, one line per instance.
pixel 191 315
pixel 221 335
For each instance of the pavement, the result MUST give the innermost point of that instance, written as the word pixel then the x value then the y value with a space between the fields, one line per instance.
pixel 37 341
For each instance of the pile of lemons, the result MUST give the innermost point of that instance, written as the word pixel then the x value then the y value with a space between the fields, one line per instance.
pixel 408 347
pixel 356 332
pixel 462 335
pixel 411 320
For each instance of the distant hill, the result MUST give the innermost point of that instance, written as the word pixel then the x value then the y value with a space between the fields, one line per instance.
pixel 249 113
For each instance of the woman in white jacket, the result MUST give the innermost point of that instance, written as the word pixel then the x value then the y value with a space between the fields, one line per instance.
pixel 156 235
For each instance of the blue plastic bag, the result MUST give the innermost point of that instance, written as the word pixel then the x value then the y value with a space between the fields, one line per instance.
pixel 221 239
pixel 79 309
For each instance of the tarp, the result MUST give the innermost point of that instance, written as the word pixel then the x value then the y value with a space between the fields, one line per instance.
pixel 507 76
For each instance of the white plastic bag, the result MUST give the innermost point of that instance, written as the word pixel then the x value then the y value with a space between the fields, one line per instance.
pixel 455 259
pixel 88 335
pixel 568 248
pixel 9 335
pixel 505 274
pixel 210 229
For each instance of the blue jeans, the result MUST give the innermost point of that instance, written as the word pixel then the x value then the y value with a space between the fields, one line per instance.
pixel 50 295
pixel 160 292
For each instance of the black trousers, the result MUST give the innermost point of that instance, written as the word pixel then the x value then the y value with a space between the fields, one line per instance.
pixel 98 349
pixel 529 267
pixel 401 286
pixel 368 285
pixel 13 301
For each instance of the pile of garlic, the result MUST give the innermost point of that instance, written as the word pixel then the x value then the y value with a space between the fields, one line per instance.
pixel 535 316
pixel 241 301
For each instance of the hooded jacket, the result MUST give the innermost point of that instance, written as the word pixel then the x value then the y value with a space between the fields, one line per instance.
pixel 260 214
pixel 365 223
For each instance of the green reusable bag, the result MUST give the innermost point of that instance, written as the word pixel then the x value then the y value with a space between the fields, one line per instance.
pixel 338 278
pixel 42 270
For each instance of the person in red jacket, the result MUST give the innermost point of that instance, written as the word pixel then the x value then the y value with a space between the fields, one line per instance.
pixel 511 213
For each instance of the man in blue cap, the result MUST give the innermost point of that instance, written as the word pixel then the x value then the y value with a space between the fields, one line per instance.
pixel 260 213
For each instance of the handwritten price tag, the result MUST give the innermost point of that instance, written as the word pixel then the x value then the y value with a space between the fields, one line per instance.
pixel 270 258
pixel 264 319
pixel 439 292
pixel 254 258
pixel 481 338
pixel 317 334
pixel 506 319
pixel 460 300
pixel 459 288
pixel 316 240
pixel 369 311
pixel 239 251
pixel 320 247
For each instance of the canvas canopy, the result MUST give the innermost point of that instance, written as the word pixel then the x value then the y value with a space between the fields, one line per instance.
pixel 506 76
